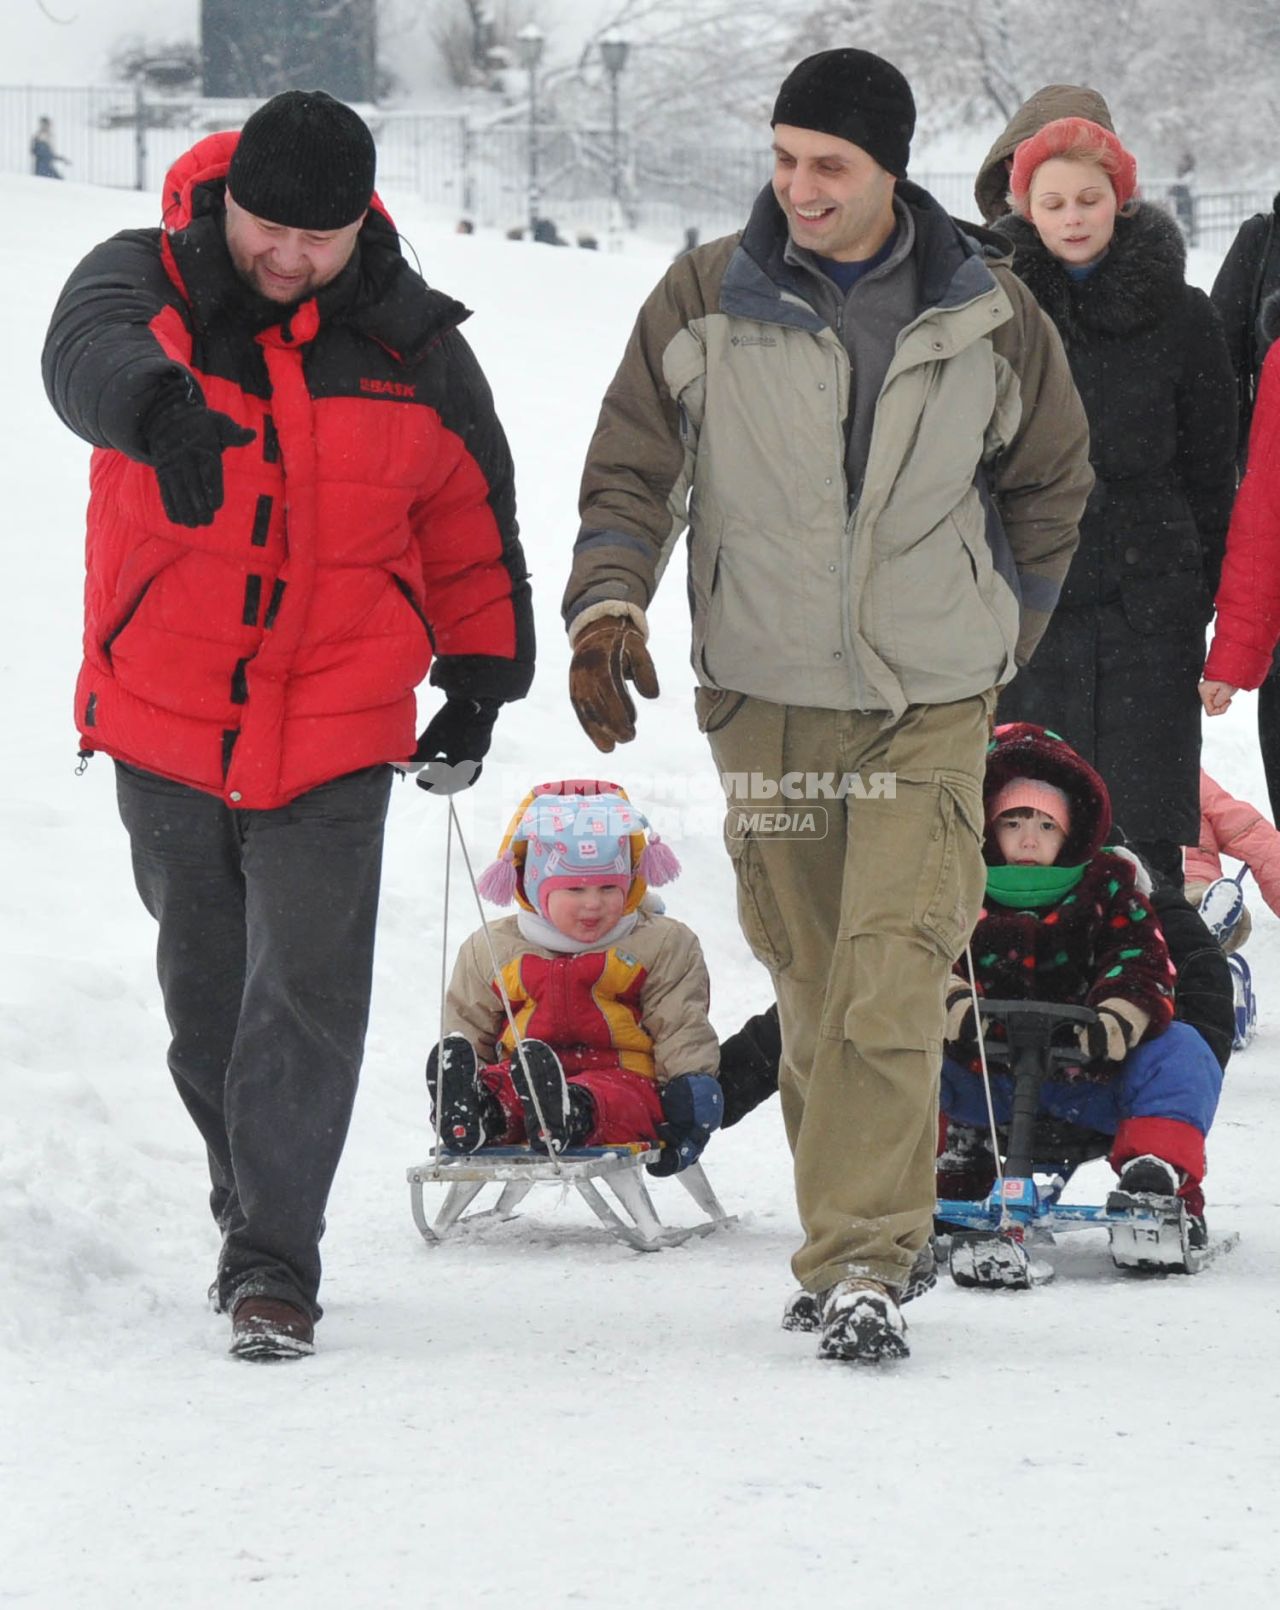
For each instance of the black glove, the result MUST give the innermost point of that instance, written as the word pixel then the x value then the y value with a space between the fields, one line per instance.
pixel 693 1106
pixel 456 740
pixel 749 1063
pixel 185 441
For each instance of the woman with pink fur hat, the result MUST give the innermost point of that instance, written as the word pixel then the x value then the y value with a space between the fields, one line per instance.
pixel 1117 669
pixel 586 1022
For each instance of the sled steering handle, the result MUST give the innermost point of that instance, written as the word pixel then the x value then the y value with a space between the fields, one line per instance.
pixel 1029 1029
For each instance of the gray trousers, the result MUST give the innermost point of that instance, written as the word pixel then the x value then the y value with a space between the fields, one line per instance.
pixel 265 958
pixel 858 914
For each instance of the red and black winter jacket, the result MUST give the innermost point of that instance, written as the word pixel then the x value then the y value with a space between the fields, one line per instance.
pixel 368 529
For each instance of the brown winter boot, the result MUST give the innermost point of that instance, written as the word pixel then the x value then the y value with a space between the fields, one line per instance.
pixel 268 1328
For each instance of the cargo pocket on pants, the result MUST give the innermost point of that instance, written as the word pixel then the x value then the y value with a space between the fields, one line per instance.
pixel 758 913
pixel 715 708
pixel 952 877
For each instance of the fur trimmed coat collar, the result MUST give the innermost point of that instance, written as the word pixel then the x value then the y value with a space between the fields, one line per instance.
pixel 1138 283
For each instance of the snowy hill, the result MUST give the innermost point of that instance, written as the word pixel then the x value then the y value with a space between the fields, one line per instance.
pixel 540 1419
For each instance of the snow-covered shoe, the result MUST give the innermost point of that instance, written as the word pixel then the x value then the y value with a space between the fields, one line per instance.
pixel 1222 908
pixel 453 1083
pixel 540 1084
pixel 1153 1229
pixel 861 1323
pixel 965 1168
pixel 803 1311
pixel 264 1329
pixel 986 1260
pixel 1148 1176
pixel 922 1276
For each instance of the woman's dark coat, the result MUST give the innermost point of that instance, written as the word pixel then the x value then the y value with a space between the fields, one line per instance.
pixel 1247 282
pixel 1116 671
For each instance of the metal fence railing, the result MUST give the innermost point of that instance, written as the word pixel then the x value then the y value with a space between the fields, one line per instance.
pixel 465 168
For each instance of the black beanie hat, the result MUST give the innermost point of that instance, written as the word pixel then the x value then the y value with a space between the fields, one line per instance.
pixel 304 160
pixel 855 96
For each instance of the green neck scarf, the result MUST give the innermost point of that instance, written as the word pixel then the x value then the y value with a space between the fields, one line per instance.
pixel 1030 887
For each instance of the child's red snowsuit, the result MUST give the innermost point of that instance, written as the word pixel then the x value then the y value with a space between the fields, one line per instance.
pixel 622 1020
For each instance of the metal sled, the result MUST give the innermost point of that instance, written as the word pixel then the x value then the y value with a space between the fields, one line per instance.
pixel 990 1238
pixel 516 1170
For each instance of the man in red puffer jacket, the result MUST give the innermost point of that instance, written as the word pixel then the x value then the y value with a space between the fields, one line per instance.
pixel 301 500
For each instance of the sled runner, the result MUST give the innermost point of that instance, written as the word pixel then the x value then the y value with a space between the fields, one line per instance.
pixel 990 1239
pixel 517 1169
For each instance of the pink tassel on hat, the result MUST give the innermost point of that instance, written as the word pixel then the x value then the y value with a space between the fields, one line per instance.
pixel 497 883
pixel 658 863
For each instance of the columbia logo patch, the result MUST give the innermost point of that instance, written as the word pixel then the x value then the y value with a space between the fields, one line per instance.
pixel 752 341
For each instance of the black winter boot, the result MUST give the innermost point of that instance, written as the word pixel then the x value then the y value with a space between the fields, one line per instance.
pixel 469 1114
pixel 544 1096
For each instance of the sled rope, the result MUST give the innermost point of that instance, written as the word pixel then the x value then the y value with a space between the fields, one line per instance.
pixel 444 972
pixel 517 1037
pixel 986 1071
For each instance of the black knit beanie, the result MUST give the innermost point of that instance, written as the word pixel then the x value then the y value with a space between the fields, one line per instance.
pixel 857 97
pixel 304 160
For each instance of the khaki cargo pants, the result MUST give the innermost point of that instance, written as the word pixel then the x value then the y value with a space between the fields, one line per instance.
pixel 857 906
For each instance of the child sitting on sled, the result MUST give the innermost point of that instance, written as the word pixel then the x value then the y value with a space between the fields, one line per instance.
pixel 608 996
pixel 1067 921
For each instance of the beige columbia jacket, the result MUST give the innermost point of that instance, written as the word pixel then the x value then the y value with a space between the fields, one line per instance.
pixel 728 415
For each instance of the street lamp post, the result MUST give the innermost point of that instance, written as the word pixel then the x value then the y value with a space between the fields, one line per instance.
pixel 613 53
pixel 529 43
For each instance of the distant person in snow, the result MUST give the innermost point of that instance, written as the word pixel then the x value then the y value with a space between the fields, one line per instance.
pixel 1182 195
pixel 300 501
pixel 1117 669
pixel 44 159
pixel 608 993
pixel 870 430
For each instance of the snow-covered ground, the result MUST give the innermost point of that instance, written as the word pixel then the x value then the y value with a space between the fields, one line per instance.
pixel 542 1418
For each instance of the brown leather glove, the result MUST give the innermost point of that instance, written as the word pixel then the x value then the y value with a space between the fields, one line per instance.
pixel 608 653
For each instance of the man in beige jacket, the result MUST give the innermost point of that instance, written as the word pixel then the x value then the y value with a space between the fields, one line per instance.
pixel 871 433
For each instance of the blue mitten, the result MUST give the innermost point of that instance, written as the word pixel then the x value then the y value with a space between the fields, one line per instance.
pixel 692 1106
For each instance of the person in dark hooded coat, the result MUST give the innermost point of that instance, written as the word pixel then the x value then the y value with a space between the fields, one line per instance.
pixel 1116 671
pixel 1246 294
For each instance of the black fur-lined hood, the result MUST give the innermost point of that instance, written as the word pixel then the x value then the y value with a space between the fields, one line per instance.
pixel 1138 283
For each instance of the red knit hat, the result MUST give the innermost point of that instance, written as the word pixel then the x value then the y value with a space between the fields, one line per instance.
pixel 1029 793
pixel 1068 134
